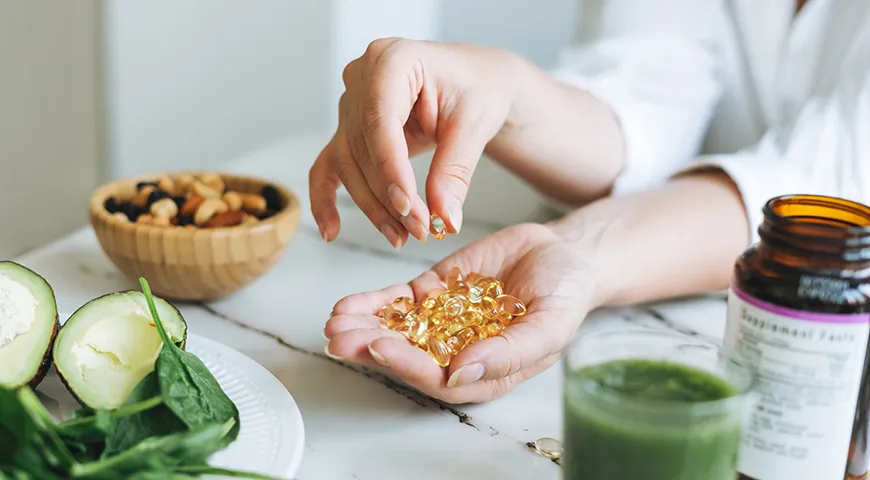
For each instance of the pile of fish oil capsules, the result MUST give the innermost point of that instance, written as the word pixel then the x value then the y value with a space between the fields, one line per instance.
pixel 468 309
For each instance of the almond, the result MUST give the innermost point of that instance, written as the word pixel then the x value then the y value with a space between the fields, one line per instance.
pixel 226 219
pixel 191 205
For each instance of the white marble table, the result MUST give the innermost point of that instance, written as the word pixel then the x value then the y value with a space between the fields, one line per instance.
pixel 359 424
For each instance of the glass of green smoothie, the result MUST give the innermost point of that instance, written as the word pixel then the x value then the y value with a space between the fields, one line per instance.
pixel 653 405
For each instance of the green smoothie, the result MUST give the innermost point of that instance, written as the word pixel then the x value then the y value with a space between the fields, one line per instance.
pixel 645 419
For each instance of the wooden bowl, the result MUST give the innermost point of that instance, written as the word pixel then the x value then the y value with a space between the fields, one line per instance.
pixel 194 263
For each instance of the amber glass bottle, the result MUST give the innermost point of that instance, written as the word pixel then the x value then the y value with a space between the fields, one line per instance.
pixel 799 308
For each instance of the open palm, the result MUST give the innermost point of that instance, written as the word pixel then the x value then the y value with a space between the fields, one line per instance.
pixel 535 265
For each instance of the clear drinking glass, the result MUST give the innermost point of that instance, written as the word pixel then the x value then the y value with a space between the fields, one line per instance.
pixel 651 404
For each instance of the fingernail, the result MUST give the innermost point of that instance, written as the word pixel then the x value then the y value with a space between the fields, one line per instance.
pixel 392 236
pixel 466 375
pixel 329 354
pixel 415 227
pixel 400 201
pixel 377 356
pixel 454 214
pixel 323 234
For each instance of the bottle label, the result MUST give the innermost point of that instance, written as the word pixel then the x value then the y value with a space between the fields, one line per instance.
pixel 808 374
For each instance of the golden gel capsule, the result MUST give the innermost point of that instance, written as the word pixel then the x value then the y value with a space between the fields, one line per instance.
pixel 403 304
pixel 439 350
pixel 493 328
pixel 472 317
pixel 464 338
pixel 437 318
pixel 415 312
pixel 505 318
pixel 392 317
pixel 418 330
pixel 475 293
pixel 493 290
pixel 456 305
pixel 488 307
pixel 511 305
pixel 453 277
pixel 439 228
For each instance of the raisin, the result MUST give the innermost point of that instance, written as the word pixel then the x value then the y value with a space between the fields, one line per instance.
pixel 132 211
pixel 185 220
pixel 179 201
pixel 141 185
pixel 273 198
pixel 267 214
pixel 112 205
pixel 155 196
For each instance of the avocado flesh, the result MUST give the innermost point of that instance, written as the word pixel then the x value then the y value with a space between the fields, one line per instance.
pixel 28 324
pixel 110 344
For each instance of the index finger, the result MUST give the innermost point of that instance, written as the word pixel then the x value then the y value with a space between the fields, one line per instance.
pixel 393 93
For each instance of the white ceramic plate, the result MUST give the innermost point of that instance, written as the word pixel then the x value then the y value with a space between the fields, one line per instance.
pixel 271 437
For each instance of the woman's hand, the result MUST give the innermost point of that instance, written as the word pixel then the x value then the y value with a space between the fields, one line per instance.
pixel 404 97
pixel 548 274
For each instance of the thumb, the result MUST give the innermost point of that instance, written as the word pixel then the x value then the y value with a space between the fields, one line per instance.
pixel 456 156
pixel 521 345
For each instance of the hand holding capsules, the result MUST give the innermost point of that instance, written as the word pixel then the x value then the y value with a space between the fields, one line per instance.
pixel 402 98
pixel 535 264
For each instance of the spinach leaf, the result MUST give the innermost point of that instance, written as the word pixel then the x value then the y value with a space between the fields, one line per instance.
pixel 16 427
pixel 160 454
pixel 188 387
pixel 224 472
pixel 88 425
pixel 150 422
pixel 25 449
pixel 52 448
pixel 161 476
pixel 8 472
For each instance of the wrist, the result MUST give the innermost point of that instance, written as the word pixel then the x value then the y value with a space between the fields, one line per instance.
pixel 527 84
pixel 589 231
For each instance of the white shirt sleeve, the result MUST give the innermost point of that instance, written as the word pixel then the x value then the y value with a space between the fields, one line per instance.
pixel 656 64
pixel 826 151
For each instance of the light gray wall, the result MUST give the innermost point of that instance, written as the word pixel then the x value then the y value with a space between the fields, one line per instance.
pixel 536 30
pixel 49 120
pixel 199 82
pixel 196 83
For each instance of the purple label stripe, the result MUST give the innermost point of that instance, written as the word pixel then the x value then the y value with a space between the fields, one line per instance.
pixel 801 314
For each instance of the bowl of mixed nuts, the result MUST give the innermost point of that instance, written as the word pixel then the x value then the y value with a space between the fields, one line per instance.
pixel 194 235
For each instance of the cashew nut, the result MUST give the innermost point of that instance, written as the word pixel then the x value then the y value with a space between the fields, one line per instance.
pixel 164 208
pixel 233 201
pixel 253 204
pixel 166 184
pixel 213 181
pixel 209 208
pixel 203 190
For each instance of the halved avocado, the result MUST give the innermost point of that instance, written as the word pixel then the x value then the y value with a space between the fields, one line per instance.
pixel 28 325
pixel 110 344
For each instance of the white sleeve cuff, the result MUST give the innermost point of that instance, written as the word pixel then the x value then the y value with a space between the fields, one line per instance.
pixel 611 89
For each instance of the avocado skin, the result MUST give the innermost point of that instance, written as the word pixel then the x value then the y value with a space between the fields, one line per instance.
pixel 47 358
